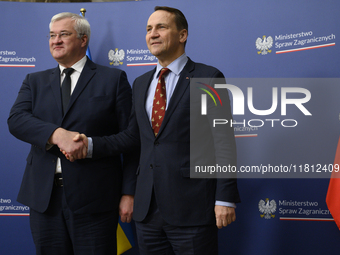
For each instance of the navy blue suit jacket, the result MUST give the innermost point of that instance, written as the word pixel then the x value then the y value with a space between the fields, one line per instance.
pixel 165 159
pixel 100 105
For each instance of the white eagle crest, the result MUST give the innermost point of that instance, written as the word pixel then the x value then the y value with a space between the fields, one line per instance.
pixel 267 208
pixel 116 56
pixel 264 44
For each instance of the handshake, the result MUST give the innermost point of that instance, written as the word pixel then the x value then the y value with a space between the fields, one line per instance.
pixel 72 144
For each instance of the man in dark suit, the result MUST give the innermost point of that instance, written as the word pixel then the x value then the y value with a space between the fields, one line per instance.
pixel 74 205
pixel 173 212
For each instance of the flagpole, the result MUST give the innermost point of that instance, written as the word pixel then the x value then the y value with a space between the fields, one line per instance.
pixel 88 52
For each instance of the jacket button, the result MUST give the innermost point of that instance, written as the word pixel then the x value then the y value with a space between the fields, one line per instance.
pixel 156 143
pixel 151 166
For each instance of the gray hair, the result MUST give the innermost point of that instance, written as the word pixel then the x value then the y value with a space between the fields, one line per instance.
pixel 81 25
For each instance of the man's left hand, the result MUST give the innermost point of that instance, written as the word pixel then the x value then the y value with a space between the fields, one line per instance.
pixel 126 208
pixel 224 215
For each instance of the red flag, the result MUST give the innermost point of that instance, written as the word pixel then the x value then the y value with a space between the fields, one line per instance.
pixel 333 193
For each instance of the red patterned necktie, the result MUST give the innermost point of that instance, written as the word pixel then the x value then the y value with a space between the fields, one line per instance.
pixel 159 102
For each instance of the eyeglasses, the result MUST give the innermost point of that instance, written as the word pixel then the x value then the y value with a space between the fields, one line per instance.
pixel 62 35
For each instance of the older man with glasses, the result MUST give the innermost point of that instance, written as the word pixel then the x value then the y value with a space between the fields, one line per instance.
pixel 74 206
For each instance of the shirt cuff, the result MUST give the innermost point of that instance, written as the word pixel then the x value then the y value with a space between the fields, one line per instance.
pixel 228 204
pixel 89 148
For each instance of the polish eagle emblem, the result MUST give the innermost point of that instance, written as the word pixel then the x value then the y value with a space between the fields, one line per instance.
pixel 267 208
pixel 116 57
pixel 264 44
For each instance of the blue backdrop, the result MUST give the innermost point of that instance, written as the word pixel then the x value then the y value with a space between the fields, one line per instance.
pixel 304 54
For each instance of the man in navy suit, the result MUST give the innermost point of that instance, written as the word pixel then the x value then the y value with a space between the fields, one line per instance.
pixel 74 206
pixel 173 212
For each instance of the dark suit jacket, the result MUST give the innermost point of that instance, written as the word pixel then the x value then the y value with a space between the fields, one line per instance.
pixel 100 105
pixel 165 160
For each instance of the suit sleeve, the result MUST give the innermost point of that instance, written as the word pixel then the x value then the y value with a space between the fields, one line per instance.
pixel 225 146
pixel 125 141
pixel 22 122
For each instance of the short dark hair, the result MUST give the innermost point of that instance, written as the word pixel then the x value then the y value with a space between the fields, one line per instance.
pixel 180 20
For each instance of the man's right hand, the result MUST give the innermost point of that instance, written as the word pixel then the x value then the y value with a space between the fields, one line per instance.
pixel 78 138
pixel 65 140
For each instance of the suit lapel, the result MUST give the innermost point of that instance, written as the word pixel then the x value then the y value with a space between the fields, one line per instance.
pixel 86 75
pixel 181 86
pixel 55 86
pixel 144 91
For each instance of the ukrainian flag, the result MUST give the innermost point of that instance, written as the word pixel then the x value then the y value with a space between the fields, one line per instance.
pixel 88 53
pixel 125 239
